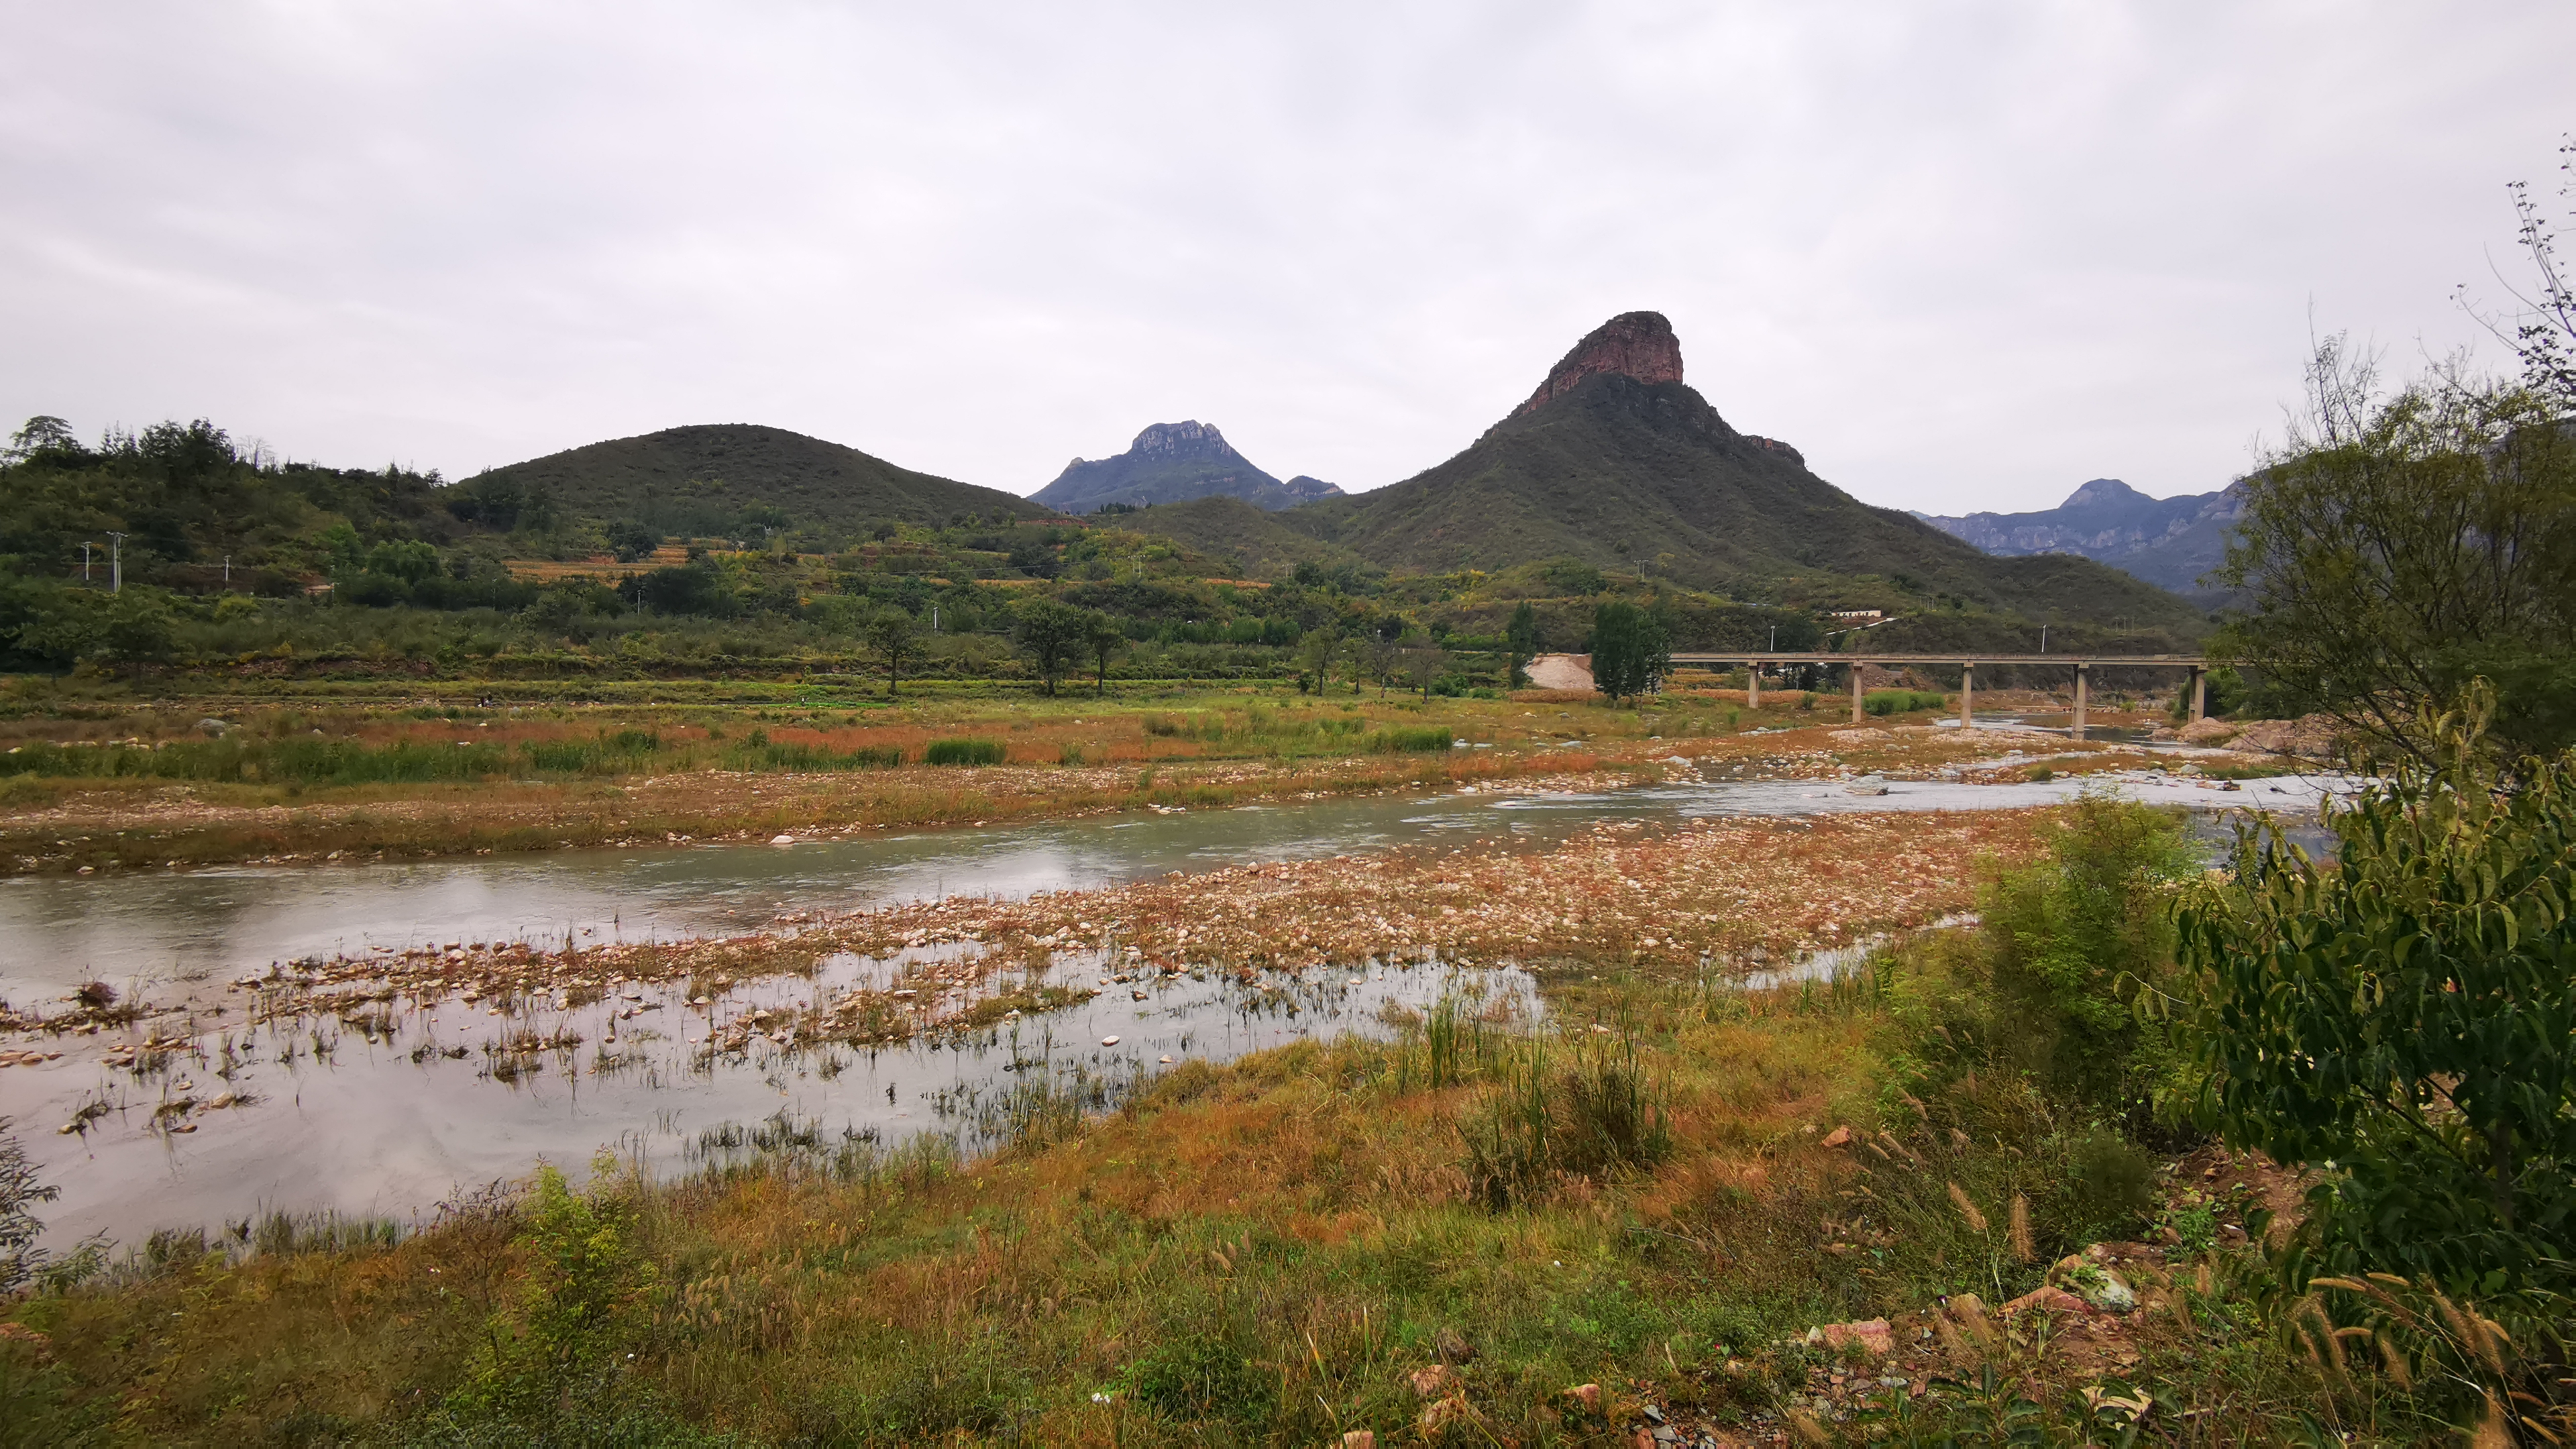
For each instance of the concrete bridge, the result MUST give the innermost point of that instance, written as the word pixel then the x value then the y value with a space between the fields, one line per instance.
pixel 1754 661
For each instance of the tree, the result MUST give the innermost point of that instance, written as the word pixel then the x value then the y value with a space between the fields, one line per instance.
pixel 1380 653
pixel 1052 633
pixel 1520 638
pixel 1319 649
pixel 893 638
pixel 2542 329
pixel 42 433
pixel 1102 636
pixel 2403 1017
pixel 136 629
pixel 1424 663
pixel 631 540
pixel 1631 650
pixel 2402 547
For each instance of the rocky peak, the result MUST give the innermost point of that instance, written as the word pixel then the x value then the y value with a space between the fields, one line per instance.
pixel 1633 344
pixel 2103 492
pixel 1181 440
pixel 1306 489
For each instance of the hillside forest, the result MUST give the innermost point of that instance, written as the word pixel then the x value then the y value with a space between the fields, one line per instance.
pixel 177 549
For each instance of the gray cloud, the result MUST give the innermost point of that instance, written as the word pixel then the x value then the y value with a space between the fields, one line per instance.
pixel 1964 255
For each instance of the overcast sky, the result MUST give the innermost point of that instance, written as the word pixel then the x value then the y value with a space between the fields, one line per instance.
pixel 1963 255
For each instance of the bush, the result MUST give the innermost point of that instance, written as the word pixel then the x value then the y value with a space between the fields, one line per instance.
pixel 2046 985
pixel 1196 1376
pixel 2401 1018
pixel 963 750
pixel 1901 701
pixel 1537 1124
pixel 1409 739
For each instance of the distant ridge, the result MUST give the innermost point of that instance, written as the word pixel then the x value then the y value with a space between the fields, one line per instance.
pixel 2170 542
pixel 703 478
pixel 1173 463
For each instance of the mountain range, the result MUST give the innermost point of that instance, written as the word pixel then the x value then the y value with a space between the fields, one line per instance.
pixel 1612 463
pixel 1174 463
pixel 1615 462
pixel 2170 542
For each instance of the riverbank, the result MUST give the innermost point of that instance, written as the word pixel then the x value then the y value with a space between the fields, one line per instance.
pixel 1744 1216
pixel 145 791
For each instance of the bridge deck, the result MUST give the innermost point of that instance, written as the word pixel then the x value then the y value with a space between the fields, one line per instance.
pixel 1758 656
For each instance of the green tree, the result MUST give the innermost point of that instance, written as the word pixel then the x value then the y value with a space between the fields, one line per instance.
pixel 1102 636
pixel 136 629
pixel 1631 650
pixel 1520 637
pixel 631 540
pixel 2402 547
pixel 1052 633
pixel 1319 649
pixel 2402 1018
pixel 894 640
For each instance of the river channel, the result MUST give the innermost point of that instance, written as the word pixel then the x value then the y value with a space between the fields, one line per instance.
pixel 390 1118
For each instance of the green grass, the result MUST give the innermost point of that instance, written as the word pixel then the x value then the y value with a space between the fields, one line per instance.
pixel 1901 701
pixel 963 750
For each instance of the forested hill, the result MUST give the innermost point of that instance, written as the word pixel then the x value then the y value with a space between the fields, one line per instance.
pixel 728 479
pixel 1617 463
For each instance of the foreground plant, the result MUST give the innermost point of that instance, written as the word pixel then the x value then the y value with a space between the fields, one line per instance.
pixel 2404 1019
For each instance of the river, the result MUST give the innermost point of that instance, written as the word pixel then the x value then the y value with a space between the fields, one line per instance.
pixel 390 1119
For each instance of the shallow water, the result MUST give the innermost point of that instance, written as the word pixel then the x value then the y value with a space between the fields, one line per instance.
pixel 160 931
pixel 357 1119
pixel 388 1124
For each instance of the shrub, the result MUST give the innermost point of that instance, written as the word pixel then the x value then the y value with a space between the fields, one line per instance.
pixel 1901 701
pixel 1596 1117
pixel 1409 739
pixel 963 750
pixel 1196 1376
pixel 2046 984
pixel 2401 1017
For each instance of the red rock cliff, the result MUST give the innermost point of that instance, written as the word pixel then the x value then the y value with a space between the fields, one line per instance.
pixel 1633 344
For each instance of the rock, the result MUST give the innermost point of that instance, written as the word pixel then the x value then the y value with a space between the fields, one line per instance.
pixel 1587 1395
pixel 1359 1439
pixel 215 727
pixel 1453 1347
pixel 2311 737
pixel 1864 735
pixel 1109 1041
pixel 1432 1382
pixel 2209 732
pixel 1870 1334
pixel 2047 1298
pixel 782 840
pixel 1638 345
pixel 1867 785
pixel 1836 1138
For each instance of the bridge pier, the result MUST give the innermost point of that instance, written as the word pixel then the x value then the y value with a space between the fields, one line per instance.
pixel 1856 709
pixel 2199 694
pixel 1752 685
pixel 1967 696
pixel 2082 676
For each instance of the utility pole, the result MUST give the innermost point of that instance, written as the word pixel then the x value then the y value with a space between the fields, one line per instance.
pixel 2043 638
pixel 228 571
pixel 116 563
pixel 85 548
pixel 934 618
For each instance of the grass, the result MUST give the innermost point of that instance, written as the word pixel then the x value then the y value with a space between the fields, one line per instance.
pixel 1261 1252
pixel 1657 1191
pixel 963 751
pixel 111 784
